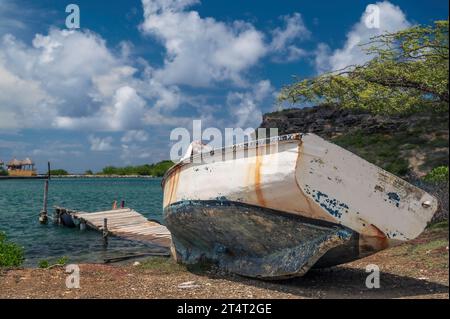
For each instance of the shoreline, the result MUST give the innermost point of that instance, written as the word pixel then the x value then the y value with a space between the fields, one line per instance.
pixel 78 176
pixel 403 274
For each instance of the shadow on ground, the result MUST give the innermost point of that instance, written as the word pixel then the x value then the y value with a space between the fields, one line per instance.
pixel 345 282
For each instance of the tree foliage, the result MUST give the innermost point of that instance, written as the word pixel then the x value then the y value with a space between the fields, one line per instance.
pixel 408 71
pixel 58 172
pixel 3 172
pixel 157 169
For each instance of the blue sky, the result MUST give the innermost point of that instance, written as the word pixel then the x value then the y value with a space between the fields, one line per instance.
pixel 110 92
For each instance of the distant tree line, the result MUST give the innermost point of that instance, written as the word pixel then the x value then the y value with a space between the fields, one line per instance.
pixel 158 169
pixel 58 172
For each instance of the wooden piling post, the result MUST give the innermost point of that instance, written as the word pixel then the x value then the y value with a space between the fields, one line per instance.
pixel 45 196
pixel 105 232
pixel 43 218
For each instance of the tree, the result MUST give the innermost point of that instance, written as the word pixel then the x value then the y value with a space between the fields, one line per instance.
pixel 58 172
pixel 3 172
pixel 157 169
pixel 408 72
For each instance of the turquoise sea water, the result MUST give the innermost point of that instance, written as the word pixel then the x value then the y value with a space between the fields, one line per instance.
pixel 21 202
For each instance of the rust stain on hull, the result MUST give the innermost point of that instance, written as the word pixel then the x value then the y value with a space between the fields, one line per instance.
pixel 257 181
pixel 171 186
pixel 372 240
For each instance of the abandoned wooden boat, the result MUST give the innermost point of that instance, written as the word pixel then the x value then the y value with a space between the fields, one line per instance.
pixel 276 207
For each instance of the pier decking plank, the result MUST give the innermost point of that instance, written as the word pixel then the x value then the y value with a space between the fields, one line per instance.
pixel 125 223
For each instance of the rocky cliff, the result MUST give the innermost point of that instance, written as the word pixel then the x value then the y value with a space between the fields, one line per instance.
pixel 405 145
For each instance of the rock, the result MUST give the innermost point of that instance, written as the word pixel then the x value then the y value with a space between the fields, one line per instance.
pixel 136 263
pixel 188 285
pixel 327 121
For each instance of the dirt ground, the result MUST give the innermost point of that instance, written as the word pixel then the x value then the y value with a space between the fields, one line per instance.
pixel 418 269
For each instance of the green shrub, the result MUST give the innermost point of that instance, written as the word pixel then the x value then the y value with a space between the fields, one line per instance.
pixel 43 264
pixel 62 261
pixel 11 255
pixel 437 175
pixel 3 172
pixel 46 263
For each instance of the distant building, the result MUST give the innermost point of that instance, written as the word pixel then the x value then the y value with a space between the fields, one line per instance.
pixel 21 168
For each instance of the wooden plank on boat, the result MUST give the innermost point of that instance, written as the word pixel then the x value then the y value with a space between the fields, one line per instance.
pixel 125 223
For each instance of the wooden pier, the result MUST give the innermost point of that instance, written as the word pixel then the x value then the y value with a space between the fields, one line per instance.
pixel 121 222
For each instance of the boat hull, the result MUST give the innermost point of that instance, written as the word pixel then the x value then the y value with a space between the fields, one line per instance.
pixel 254 241
pixel 301 176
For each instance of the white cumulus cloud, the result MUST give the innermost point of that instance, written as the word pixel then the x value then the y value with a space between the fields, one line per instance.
pixel 100 144
pixel 135 136
pixel 71 80
pixel 391 19
pixel 200 51
pixel 284 39
pixel 246 107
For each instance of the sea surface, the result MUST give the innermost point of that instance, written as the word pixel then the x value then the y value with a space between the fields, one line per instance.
pixel 21 202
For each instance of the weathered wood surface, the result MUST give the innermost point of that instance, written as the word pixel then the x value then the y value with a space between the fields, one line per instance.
pixel 128 224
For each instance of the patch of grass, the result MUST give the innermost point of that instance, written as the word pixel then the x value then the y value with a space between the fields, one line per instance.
pixel 437 175
pixel 380 149
pixel 43 264
pixel 169 266
pixel 430 246
pixel 393 151
pixel 162 264
pixel 439 226
pixel 62 261
pixel 11 254
pixel 439 142
pixel 398 167
pixel 429 250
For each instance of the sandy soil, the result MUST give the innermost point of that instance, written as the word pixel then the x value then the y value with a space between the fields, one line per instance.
pixel 418 269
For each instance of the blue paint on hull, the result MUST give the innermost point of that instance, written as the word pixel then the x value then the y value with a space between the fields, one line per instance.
pixel 333 206
pixel 394 198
